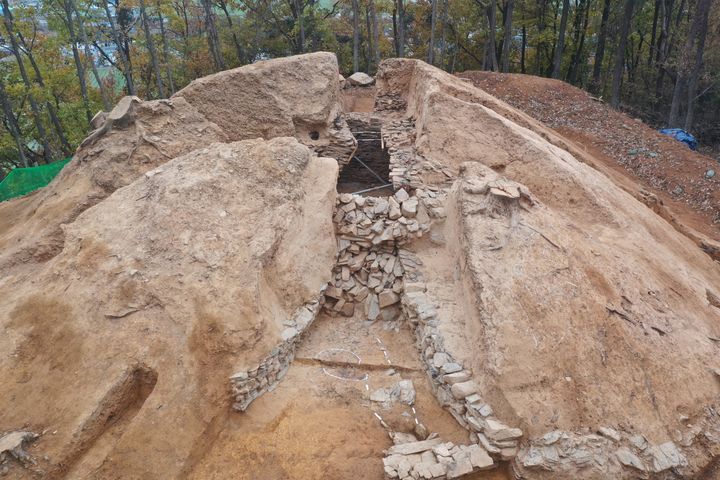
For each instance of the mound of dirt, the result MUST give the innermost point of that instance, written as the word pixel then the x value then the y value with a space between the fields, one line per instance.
pixel 550 323
pixel 295 96
pixel 625 145
pixel 153 133
pixel 167 286
pixel 159 263
pixel 576 307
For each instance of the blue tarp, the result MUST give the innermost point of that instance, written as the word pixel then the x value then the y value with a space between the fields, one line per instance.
pixel 681 136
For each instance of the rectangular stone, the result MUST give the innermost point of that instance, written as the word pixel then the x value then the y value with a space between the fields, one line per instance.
pixel 462 390
pixel 457 377
pixel 387 298
pixel 415 447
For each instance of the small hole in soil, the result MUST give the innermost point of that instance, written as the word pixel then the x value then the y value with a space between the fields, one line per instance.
pixel 314 135
pixel 370 167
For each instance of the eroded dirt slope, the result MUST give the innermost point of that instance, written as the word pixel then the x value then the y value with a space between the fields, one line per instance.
pixel 625 145
pixel 576 306
pixel 160 292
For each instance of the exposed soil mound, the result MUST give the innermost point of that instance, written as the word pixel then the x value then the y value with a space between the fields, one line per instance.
pixel 575 306
pixel 151 134
pixel 300 98
pixel 660 164
pixel 187 273
pixel 507 311
pixel 120 337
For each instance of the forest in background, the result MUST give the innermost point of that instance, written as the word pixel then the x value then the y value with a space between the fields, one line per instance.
pixel 64 60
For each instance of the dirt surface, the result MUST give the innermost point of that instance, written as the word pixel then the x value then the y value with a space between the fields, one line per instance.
pixel 167 258
pixel 316 426
pixel 129 334
pixel 666 167
pixel 576 305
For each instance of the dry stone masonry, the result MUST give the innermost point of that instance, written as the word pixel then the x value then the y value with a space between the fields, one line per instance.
pixel 434 459
pixel 452 383
pixel 370 269
pixel 609 452
pixel 247 385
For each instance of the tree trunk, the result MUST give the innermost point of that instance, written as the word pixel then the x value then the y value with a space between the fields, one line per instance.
pixel 700 22
pixel 127 73
pixel 66 150
pixel 76 56
pixel 620 53
pixel 12 124
pixel 443 40
pixel 542 4
pixel 400 28
pixel 600 49
pixel 653 35
pixel 584 9
pixel 684 66
pixel 107 105
pixel 166 51
pixel 301 25
pixel 213 40
pixel 151 49
pixel 490 48
pixel 10 27
pixel 557 61
pixel 236 41
pixel 356 35
pixel 369 53
pixel 433 21
pixel 507 32
pixel 523 47
pixel 375 33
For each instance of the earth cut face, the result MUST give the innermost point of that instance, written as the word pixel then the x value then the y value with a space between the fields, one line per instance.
pixel 279 274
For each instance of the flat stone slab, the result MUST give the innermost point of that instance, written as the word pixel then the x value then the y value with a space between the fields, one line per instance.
pixel 415 447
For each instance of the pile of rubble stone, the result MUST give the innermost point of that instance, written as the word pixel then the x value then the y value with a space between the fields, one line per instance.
pixel 370 265
pixel 434 458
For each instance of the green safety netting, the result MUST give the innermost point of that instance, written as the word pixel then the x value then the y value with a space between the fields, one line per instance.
pixel 24 180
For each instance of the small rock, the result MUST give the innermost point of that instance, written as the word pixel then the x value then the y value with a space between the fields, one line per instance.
pixel 401 195
pixel 409 208
pixel 457 377
pixel 380 395
pixel 440 359
pixel 451 367
pixel 416 447
pixel 387 298
pixel 498 431
pixel 479 457
pixel 610 433
pixel 421 431
pixel 289 333
pixel 360 79
pixel 460 467
pixel 372 307
pixel 348 310
pixel 399 438
pixel 629 459
pixel 406 392
pixel 462 390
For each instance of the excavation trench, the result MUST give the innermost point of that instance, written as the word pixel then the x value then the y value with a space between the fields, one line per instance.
pixel 368 346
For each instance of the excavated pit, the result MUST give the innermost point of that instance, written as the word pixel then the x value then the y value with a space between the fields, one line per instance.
pixel 369 169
